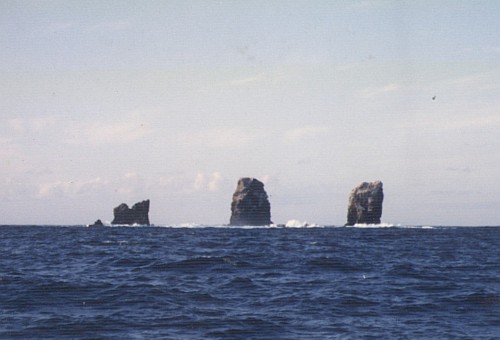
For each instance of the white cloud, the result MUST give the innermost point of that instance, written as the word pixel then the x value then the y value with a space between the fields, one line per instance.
pixel 6 149
pixel 251 79
pixel 21 125
pixel 475 83
pixel 199 181
pixel 215 180
pixel 372 92
pixel 69 187
pixel 474 122
pixel 369 4
pixel 166 181
pixel 110 26
pixel 59 27
pixel 127 184
pixel 131 183
pixel 308 131
pixel 445 123
pixel 131 175
pixel 121 132
pixel 108 133
pixel 211 182
pixel 218 138
pixel 12 158
pixel 265 179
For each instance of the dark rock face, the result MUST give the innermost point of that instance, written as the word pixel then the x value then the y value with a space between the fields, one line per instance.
pixel 97 223
pixel 365 203
pixel 138 214
pixel 250 204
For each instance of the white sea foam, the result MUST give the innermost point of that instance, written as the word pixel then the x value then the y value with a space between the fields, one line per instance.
pixel 299 224
pixel 381 225
pixel 186 226
pixel 391 225
pixel 135 225
pixel 289 224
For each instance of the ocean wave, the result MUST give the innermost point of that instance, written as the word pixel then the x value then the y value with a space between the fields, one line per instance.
pixel 289 224
pixel 299 224
pixel 381 225
pixel 200 263
pixel 296 224
pixel 276 283
pixel 108 224
pixel 391 225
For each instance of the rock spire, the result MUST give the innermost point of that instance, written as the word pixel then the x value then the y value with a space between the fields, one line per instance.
pixel 365 203
pixel 250 205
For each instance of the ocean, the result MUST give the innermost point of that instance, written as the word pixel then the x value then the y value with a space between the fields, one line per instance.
pixel 216 282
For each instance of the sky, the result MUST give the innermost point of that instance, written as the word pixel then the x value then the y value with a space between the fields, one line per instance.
pixel 104 102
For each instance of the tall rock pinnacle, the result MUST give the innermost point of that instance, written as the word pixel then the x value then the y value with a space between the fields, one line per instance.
pixel 365 204
pixel 250 205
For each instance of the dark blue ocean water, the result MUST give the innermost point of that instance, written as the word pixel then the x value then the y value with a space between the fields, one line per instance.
pixel 263 283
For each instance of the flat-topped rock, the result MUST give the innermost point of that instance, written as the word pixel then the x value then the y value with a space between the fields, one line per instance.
pixel 365 204
pixel 138 214
pixel 250 205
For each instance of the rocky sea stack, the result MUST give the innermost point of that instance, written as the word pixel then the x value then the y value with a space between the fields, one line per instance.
pixel 138 214
pixel 250 204
pixel 97 223
pixel 365 204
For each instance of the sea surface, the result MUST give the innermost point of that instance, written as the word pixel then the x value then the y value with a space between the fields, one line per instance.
pixel 202 282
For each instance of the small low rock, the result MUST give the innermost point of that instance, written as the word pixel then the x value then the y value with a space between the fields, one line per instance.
pixel 97 223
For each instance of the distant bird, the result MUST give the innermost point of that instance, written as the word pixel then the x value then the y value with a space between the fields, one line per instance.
pixel 434 98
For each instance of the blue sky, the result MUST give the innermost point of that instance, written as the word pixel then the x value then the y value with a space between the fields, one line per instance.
pixel 103 102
